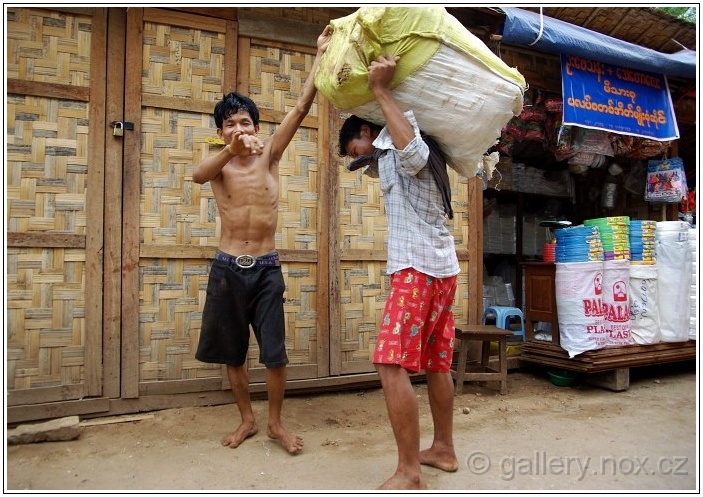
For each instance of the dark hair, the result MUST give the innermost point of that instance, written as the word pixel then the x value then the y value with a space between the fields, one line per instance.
pixel 231 104
pixel 352 129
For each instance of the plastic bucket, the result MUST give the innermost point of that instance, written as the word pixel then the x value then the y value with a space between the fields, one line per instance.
pixel 549 252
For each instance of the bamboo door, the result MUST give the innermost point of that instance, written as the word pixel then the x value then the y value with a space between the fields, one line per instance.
pixel 56 151
pixel 179 64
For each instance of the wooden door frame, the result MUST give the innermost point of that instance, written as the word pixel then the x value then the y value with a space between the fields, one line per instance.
pixel 114 70
pixel 129 346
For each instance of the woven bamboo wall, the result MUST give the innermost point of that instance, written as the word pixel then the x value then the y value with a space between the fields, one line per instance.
pixel 48 46
pixel 46 173
pixel 181 63
pixel 276 77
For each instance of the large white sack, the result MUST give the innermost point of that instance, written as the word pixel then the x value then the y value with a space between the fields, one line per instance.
pixel 579 296
pixel 644 307
pixel 462 105
pixel 693 296
pixel 616 302
pixel 461 93
pixel 674 269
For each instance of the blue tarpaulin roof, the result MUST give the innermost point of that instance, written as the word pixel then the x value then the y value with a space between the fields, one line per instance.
pixel 543 33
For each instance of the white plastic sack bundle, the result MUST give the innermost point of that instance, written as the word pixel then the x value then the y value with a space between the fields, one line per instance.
pixel 579 296
pixel 616 302
pixel 693 296
pixel 674 268
pixel 461 93
pixel 644 309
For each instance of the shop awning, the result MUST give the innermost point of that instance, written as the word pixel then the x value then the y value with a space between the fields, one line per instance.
pixel 546 34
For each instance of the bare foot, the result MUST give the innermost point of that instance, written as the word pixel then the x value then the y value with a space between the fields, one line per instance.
pixel 234 439
pixel 444 460
pixel 292 443
pixel 403 482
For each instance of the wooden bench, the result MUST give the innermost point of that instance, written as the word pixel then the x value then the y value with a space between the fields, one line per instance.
pixel 484 334
pixel 608 367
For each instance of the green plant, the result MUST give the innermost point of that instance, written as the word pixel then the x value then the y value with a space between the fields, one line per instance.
pixel 687 14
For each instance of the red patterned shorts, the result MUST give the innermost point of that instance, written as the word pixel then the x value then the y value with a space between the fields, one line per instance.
pixel 417 329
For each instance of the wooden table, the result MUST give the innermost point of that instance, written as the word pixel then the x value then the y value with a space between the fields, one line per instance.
pixel 467 371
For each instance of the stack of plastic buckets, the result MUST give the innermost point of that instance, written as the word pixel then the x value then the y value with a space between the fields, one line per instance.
pixel 614 235
pixel 549 252
pixel 642 237
pixel 578 244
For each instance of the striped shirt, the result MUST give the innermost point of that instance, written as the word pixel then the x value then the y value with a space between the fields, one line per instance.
pixel 418 236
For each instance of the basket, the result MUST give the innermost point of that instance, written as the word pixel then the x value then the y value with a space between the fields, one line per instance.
pixel 562 377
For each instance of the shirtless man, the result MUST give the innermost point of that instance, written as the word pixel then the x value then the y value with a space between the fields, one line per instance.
pixel 245 285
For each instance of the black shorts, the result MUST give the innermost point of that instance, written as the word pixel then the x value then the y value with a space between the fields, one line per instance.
pixel 235 299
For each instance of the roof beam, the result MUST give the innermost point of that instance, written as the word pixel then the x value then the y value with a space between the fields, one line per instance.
pixel 590 17
pixel 623 20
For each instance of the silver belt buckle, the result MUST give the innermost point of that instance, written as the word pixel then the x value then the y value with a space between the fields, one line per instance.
pixel 245 261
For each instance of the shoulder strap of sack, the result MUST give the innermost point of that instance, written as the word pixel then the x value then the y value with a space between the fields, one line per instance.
pixel 438 166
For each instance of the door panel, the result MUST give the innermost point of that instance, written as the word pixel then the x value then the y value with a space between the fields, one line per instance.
pixel 54 171
pixel 186 62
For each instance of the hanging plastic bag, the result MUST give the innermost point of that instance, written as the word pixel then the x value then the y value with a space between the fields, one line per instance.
pixel 666 181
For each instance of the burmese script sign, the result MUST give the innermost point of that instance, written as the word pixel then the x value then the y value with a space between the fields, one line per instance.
pixel 617 99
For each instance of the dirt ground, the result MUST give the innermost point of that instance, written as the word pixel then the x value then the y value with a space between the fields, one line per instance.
pixel 537 437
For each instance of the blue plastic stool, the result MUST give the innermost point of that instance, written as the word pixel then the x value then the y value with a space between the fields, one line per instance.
pixel 503 315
